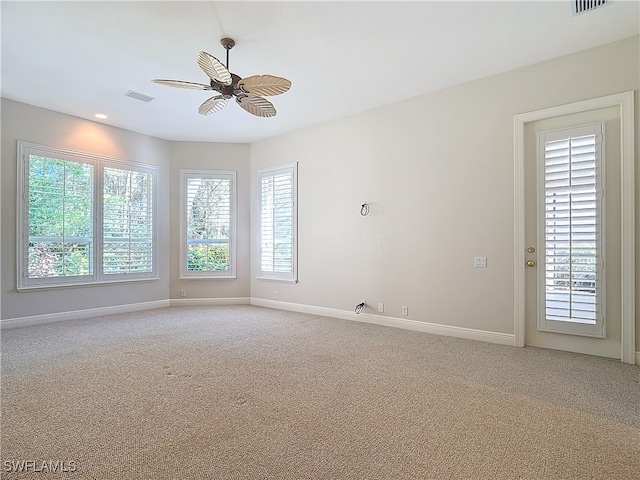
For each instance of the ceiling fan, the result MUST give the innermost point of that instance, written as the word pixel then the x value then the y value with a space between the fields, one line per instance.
pixel 248 91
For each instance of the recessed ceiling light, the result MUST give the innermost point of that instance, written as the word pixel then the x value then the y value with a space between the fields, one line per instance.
pixel 101 116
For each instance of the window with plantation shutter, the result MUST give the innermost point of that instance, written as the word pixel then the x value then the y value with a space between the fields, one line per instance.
pixel 127 221
pixel 83 219
pixel 59 236
pixel 278 223
pixel 571 198
pixel 208 224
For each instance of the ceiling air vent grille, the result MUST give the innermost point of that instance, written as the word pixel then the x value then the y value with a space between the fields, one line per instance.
pixel 139 96
pixel 581 6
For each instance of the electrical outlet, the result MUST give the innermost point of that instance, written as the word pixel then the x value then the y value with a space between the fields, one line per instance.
pixel 405 310
pixel 183 293
pixel 276 295
pixel 381 307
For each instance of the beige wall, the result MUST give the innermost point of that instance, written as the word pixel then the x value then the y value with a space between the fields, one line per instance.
pixel 211 156
pixel 45 127
pixel 25 122
pixel 438 172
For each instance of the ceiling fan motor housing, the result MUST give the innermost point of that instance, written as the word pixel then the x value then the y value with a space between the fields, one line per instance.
pixel 228 91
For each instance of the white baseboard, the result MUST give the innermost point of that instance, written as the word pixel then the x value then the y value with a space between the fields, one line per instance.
pixel 638 358
pixel 79 314
pixel 183 302
pixel 133 307
pixel 434 328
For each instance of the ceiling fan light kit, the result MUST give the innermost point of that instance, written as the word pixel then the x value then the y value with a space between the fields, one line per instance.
pixel 249 92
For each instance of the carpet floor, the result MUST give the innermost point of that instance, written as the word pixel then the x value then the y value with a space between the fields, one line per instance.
pixel 243 392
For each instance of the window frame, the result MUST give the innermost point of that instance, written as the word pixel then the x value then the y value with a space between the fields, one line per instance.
pixel 98 163
pixel 186 174
pixel 291 277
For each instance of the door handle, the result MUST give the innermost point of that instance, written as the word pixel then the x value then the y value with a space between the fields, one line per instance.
pixel 531 263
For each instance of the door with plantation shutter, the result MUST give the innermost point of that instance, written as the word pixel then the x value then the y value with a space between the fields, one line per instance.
pixel 571 279
pixel 573 232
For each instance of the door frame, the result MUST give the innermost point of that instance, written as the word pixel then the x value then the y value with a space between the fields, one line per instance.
pixel 625 103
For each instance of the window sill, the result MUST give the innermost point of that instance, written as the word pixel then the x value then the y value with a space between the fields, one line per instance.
pixel 30 288
pixel 207 277
pixel 276 279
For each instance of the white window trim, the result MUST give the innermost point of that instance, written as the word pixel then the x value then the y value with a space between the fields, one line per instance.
pixel 278 276
pixel 25 149
pixel 184 175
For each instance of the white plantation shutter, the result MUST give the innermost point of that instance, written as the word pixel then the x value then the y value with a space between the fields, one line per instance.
pixel 60 219
pixel 571 202
pixel 127 222
pixel 208 223
pixel 278 222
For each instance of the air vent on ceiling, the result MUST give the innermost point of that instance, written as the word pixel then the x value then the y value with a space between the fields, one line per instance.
pixel 139 96
pixel 581 6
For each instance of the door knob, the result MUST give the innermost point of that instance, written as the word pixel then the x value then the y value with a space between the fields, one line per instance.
pixel 531 263
pixel 531 249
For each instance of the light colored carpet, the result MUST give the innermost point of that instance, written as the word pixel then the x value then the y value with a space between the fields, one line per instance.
pixel 241 392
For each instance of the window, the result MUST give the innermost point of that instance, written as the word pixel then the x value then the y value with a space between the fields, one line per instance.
pixel 83 219
pixel 277 257
pixel 208 222
pixel 573 285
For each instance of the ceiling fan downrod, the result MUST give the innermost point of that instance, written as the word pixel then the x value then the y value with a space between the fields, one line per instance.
pixel 228 44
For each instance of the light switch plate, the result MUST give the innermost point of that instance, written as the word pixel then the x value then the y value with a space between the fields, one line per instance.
pixel 480 262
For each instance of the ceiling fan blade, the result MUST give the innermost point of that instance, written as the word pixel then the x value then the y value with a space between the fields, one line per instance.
pixel 214 68
pixel 182 84
pixel 257 106
pixel 264 85
pixel 214 104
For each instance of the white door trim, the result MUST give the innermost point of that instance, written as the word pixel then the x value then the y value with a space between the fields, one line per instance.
pixel 625 103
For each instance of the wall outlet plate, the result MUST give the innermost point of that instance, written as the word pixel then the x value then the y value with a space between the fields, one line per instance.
pixel 480 262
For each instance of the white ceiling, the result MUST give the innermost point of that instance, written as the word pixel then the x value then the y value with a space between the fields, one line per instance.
pixel 342 57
